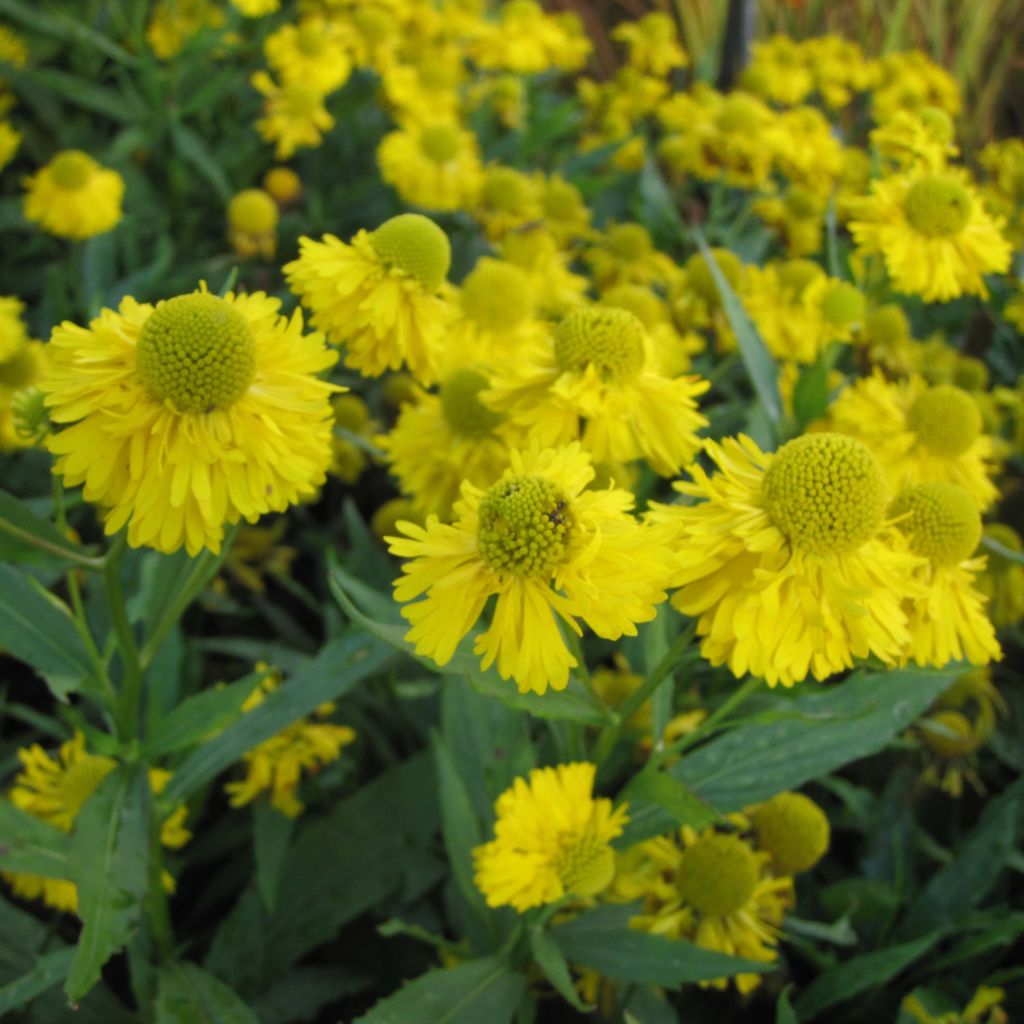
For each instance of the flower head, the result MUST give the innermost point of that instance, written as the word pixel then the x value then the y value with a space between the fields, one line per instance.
pixel 294 115
pixel 73 196
pixel 188 415
pixel 793 830
pixel 311 51
pixel 252 223
pixel 1002 580
pixel 552 839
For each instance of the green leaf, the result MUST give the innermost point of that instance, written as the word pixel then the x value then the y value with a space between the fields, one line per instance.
pixel 186 994
pixel 110 866
pixel 301 994
pixel 810 395
pixel 32 846
pixel 271 834
pixel 25 537
pixel 991 544
pixel 38 628
pixel 333 672
pixel 658 803
pixel 1000 933
pixel 472 993
pixel 50 969
pixel 65 27
pixel 760 366
pixel 80 92
pixel 603 940
pixel 551 960
pixel 648 1005
pixel 193 149
pixel 200 717
pixel 960 886
pixel 784 1012
pixel 811 735
pixel 861 974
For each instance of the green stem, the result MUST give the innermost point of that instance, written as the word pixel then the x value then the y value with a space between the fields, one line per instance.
pixel 131 681
pixel 636 700
pixel 733 701
pixel 82 561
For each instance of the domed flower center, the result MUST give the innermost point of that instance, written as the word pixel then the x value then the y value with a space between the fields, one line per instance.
pixel 302 100
pixel 629 242
pixel 937 207
pixel 497 296
pixel 938 123
pixel 949 734
pixel 610 340
pixel 80 780
pixel 587 866
pixel 842 304
pixel 562 200
pixel 800 203
pixel 31 421
pixel 739 114
pixel 461 405
pixel 72 169
pixel 826 493
pixel 946 420
pixel 253 211
pixel 793 830
pixel 639 301
pixel 717 874
pixel 941 520
pixel 971 374
pixel 350 413
pixel 505 189
pixel 440 142
pixel 1008 537
pixel 796 275
pixel 310 39
pixel 699 273
pixel 526 525
pixel 196 351
pixel 374 23
pixel 887 325
pixel 415 245
pixel 18 370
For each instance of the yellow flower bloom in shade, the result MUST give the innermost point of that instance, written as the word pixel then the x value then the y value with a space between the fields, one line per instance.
pixel 276 766
pixel 934 233
pixel 984 1007
pixel 188 415
pixel 596 377
pixel 566 215
pixel 528 40
pixel 626 255
pixel 652 44
pixel 378 294
pixel 947 617
pixel 294 115
pixel 712 889
pixel 55 789
pixel 922 138
pixel 73 196
pixel 252 223
pixel 432 165
pixel 283 185
pixel 779 71
pixel 552 839
pixel 798 216
pixel 793 830
pixel 13 333
pixel 556 289
pixel 256 8
pixel 918 433
pixel 547 548
pixel 10 140
pixel 256 555
pixel 910 81
pixel 23 421
pixel 787 560
pixel 1002 580
pixel 507 200
pixel 313 52
pixel 174 22
pixel 446 438
pixel 1003 160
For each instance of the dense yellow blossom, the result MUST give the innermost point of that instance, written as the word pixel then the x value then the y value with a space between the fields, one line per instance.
pixel 312 51
pixel 294 115
pixel 433 165
pixel 73 196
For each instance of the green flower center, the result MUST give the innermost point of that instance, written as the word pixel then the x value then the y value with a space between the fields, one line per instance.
pixel 374 23
pixel 949 734
pixel 506 190
pixel 19 370
pixel 80 780
pixel 717 874
pixel 415 245
pixel 72 169
pixel 629 242
pixel 310 39
pixel 526 525
pixel 253 211
pixel 793 830
pixel 461 405
pixel 971 374
pixel 937 207
pixel 610 340
pixel 497 296
pixel 302 100
pixel 796 275
pixel 638 300
pixel 941 520
pixel 562 200
pixel 938 123
pixel 887 325
pixel 800 203
pixel 586 867
pixel 196 351
pixel 440 142
pixel 350 413
pixel 946 420
pixel 842 304
pixel 699 274
pixel 826 493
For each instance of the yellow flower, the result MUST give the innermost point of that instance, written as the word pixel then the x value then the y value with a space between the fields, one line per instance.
pixel 566 215
pixel 947 618
pixel 276 766
pixel 256 8
pixel 434 165
pixel 313 52
pixel 527 40
pixel 294 115
pixel 779 71
pixel 672 349
pixel 256 554
pixel 10 140
pixel 918 433
pixel 548 549
pixel 652 44
pixel 934 233
pixel 174 22
pixel 1004 185
pixel 283 184
pixel 984 1007
pixel 552 839
pixel 792 829
pixel 252 223
pixel 910 81
pixel 507 200
pixel 798 216
pixel 556 289
pixel 23 421
pixel 73 196
pixel 787 559
pixel 596 377
pixel 626 255
pixel 922 138
pixel 55 790
pixel 1002 580
pixel 188 415
pixel 378 294
pixel 712 889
